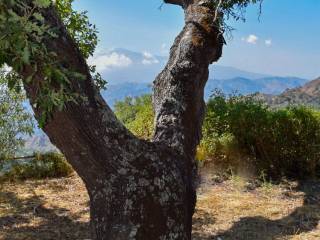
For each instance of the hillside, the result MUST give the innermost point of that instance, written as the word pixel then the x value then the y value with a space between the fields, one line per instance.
pixel 120 91
pixel 131 73
pixel 39 142
pixel 308 94
pixel 244 86
pixel 120 65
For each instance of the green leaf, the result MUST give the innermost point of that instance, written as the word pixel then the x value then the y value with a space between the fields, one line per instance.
pixel 38 16
pixel 29 79
pixel 42 3
pixel 26 55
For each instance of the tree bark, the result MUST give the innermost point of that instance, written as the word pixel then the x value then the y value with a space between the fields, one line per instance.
pixel 138 189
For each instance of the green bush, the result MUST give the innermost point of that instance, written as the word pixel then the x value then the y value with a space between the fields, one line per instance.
pixel 137 114
pixel 42 166
pixel 279 142
pixel 243 134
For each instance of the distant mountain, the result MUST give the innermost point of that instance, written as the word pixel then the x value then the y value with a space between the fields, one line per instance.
pixel 239 85
pixel 131 74
pixel 223 72
pixel 120 91
pixel 121 66
pixel 244 86
pixel 39 142
pixel 308 94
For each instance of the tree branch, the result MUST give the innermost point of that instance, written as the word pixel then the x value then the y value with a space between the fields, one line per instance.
pixel 176 2
pixel 88 133
pixel 179 88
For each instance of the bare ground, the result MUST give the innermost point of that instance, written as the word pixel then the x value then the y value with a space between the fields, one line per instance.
pixel 234 209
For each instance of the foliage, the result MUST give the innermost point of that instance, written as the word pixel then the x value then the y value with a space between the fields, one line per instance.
pixel 137 115
pixel 242 134
pixel 80 29
pixel 83 32
pixel 23 32
pixel 15 121
pixel 283 142
pixel 230 9
pixel 47 165
pixel 234 8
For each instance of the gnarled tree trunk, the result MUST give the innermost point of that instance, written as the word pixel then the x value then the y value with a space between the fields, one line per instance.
pixel 138 189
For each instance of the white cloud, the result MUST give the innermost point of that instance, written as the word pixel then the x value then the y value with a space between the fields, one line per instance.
pixel 147 55
pixel 148 59
pixel 147 62
pixel 107 61
pixel 252 39
pixel 268 42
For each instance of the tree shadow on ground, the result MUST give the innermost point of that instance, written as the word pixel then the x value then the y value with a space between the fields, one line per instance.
pixel 202 221
pixel 32 220
pixel 304 219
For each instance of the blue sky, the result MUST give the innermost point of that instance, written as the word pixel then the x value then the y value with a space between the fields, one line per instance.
pixel 285 41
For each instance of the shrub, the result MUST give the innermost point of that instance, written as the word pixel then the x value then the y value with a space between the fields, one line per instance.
pixel 241 133
pixel 279 142
pixel 47 165
pixel 137 114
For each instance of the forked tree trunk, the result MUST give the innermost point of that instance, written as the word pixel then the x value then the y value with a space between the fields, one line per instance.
pixel 138 189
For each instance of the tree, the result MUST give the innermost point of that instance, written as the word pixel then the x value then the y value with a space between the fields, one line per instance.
pixel 15 121
pixel 138 189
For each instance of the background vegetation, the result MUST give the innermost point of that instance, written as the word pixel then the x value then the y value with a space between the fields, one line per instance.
pixel 15 121
pixel 241 133
pixel 137 114
pixel 40 166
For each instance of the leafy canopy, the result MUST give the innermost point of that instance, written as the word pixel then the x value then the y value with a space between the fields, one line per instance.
pixel 230 9
pixel 234 8
pixel 15 121
pixel 23 32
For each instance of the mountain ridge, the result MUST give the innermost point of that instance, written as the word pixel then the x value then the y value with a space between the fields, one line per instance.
pixel 122 65
pixel 308 94
pixel 244 86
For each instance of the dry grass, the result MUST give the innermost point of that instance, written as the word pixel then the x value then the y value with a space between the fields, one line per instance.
pixel 44 209
pixel 235 210
pixel 58 209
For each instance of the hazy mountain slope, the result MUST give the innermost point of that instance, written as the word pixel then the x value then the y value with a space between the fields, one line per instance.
pixel 121 65
pixel 120 91
pixel 224 72
pixel 308 94
pixel 39 142
pixel 270 85
pixel 131 73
